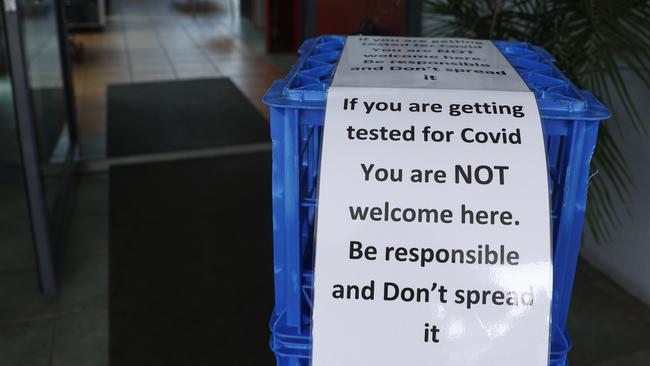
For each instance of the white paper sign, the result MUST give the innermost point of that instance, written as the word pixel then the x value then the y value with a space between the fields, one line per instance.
pixel 433 232
pixel 415 62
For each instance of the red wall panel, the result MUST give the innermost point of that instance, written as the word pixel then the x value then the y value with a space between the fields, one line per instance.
pixel 346 16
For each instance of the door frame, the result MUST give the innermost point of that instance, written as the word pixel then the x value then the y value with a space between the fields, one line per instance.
pixel 41 222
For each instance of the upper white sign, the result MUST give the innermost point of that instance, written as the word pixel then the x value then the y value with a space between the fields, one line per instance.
pixel 437 63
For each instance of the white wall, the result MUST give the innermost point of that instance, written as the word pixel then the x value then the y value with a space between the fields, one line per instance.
pixel 626 256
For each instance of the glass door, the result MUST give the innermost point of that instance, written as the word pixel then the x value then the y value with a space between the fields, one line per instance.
pixel 44 43
pixel 16 241
pixel 35 45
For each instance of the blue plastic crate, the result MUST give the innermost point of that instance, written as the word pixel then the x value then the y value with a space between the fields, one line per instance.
pixel 570 119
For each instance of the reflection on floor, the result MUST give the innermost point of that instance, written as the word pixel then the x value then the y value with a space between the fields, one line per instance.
pixel 149 40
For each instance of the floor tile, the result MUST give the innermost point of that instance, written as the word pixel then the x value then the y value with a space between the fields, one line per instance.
pixel 264 80
pixel 639 358
pixel 247 67
pixel 194 65
pixel 146 77
pixel 26 344
pixel 91 89
pixel 229 57
pixel 157 67
pixel 83 285
pixel 21 297
pixel 94 102
pixel 91 116
pixel 94 126
pixel 14 203
pixel 208 71
pixel 183 59
pixel 81 340
pixel 16 246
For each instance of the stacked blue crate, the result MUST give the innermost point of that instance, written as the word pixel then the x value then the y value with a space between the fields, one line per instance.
pixel 570 119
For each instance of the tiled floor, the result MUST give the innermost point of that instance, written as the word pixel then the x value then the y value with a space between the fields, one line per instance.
pixel 70 328
pixel 149 40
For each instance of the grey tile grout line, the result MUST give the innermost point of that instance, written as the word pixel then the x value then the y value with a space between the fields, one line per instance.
pixel 162 45
pixel 202 49
pixel 125 46
pixel 197 44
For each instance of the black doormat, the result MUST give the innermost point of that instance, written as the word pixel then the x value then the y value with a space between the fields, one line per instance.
pixel 155 117
pixel 191 266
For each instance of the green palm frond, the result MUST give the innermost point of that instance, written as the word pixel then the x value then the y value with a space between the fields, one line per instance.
pixel 593 40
